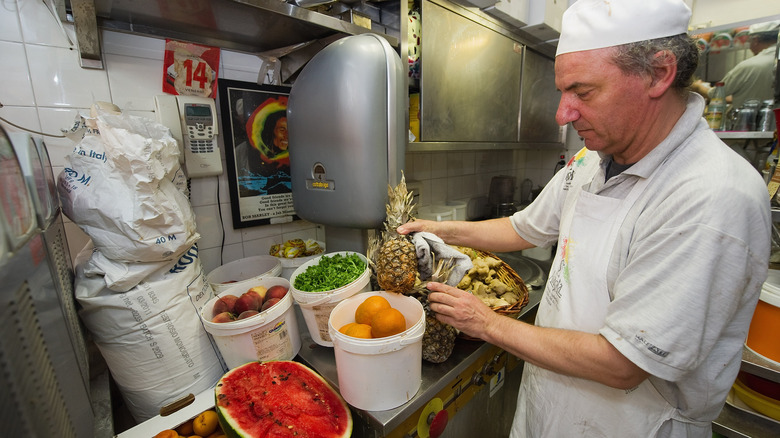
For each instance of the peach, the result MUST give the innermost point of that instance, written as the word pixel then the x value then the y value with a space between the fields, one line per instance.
pixel 260 290
pixel 247 314
pixel 276 292
pixel 226 303
pixel 224 317
pixel 249 300
pixel 269 303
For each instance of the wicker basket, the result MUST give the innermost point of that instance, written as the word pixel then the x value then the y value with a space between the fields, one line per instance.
pixel 508 275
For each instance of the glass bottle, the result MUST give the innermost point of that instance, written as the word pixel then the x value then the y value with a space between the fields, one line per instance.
pixel 717 108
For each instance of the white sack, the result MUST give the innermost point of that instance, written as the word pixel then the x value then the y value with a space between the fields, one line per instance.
pixel 151 336
pixel 120 188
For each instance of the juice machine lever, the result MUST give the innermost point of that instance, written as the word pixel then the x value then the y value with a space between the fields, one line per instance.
pixel 347 131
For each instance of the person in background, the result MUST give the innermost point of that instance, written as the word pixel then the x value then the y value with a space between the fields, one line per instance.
pixel 754 77
pixel 663 237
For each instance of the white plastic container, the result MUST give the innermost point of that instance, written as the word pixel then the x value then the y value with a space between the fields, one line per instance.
pixel 316 306
pixel 436 212
pixel 383 373
pixel 244 272
pixel 459 209
pixel 269 335
pixel 289 265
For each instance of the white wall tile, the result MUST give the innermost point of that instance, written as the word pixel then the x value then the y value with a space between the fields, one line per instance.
pixel 17 86
pixel 118 43
pixel 134 81
pixel 23 116
pixel 53 120
pixel 58 79
pixel 10 29
pixel 40 26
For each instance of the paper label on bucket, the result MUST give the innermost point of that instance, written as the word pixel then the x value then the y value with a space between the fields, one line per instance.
pixel 321 315
pixel 272 344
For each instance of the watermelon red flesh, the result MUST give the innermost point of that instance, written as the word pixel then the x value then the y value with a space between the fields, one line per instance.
pixel 280 399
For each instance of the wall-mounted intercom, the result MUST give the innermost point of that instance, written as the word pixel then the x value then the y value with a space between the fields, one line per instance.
pixel 193 123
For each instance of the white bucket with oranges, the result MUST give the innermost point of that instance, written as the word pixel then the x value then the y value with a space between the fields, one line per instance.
pixel 377 374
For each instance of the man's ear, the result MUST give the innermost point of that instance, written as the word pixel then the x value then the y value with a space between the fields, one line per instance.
pixel 663 74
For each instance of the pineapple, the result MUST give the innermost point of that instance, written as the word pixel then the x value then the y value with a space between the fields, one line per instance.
pixel 394 260
pixel 439 338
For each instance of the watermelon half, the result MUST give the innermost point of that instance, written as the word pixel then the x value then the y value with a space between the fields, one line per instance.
pixel 280 399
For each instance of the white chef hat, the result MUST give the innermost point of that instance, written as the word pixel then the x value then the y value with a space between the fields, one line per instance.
pixel 595 24
pixel 769 26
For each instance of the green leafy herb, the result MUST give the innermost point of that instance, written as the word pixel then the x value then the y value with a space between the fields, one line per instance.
pixel 332 272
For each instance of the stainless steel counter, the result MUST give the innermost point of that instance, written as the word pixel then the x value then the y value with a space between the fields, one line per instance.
pixel 435 377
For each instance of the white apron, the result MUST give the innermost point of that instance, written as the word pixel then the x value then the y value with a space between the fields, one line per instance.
pixel 554 405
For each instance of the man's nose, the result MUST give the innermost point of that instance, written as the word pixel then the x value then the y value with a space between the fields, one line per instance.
pixel 566 112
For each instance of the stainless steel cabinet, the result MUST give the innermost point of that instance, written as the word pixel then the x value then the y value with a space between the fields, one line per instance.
pixel 480 86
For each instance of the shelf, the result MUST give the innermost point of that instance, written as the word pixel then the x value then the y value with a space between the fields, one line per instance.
pixel 252 26
pixel 745 135
pixel 758 365
pixel 736 423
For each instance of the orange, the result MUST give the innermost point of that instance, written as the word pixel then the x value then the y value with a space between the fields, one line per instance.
pixel 346 327
pixel 366 310
pixel 169 433
pixel 205 423
pixel 387 322
pixel 185 429
pixel 359 331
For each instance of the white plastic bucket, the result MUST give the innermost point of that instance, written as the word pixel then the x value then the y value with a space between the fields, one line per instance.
pixel 289 265
pixel 459 209
pixel 244 272
pixel 316 306
pixel 383 373
pixel 436 212
pixel 269 335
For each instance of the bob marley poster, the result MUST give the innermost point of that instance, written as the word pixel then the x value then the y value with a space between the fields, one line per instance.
pixel 254 120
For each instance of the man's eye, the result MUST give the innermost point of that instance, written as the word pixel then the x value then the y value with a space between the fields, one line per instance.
pixel 582 94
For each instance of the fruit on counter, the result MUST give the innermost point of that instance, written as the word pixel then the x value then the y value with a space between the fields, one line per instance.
pixel 269 303
pixel 247 313
pixel 277 291
pixel 330 273
pixel 387 322
pixel 226 303
pixel 395 267
pixel 223 317
pixel 249 300
pixel 375 318
pixel 395 256
pixel 250 303
pixel 280 399
pixel 359 331
pixel 369 307
pixel 296 248
pixel 205 423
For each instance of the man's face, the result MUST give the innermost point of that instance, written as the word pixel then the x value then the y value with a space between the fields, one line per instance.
pixel 602 103
pixel 280 134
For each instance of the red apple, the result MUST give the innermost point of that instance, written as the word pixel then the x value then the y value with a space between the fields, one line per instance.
pixel 226 303
pixel 269 303
pixel 249 300
pixel 224 317
pixel 276 292
pixel 247 314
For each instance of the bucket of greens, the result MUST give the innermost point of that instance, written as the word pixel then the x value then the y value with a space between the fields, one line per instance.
pixel 320 284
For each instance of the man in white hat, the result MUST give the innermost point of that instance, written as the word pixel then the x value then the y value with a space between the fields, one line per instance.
pixel 663 237
pixel 754 77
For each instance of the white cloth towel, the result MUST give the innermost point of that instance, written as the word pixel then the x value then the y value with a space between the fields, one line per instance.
pixel 429 247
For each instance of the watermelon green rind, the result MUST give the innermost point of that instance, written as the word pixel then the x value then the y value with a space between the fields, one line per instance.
pixel 280 399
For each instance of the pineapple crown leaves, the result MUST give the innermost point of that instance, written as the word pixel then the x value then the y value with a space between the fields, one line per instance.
pixel 441 272
pixel 398 209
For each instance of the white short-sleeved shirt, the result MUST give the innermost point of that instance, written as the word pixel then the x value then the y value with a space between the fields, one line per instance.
pixel 688 264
